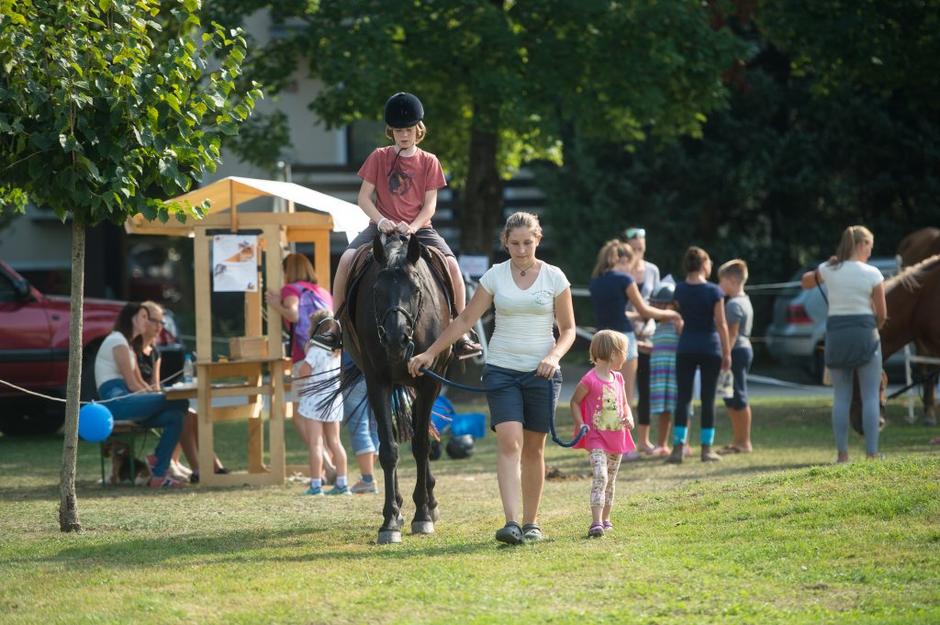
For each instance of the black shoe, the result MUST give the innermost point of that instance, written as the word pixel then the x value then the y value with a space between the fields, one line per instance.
pixel 511 534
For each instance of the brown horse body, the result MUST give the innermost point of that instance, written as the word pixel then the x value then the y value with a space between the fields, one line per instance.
pixel 919 245
pixel 913 298
pixel 913 301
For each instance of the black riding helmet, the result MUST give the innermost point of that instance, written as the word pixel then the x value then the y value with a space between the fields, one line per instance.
pixel 403 110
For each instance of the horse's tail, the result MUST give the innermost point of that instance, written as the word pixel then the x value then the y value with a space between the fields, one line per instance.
pixel 402 401
pixel 329 385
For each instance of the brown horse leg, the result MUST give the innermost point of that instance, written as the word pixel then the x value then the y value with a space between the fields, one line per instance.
pixel 421 414
pixel 379 396
pixel 930 406
pixel 855 409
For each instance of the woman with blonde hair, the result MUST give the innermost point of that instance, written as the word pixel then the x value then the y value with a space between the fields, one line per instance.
pixel 857 309
pixel 530 296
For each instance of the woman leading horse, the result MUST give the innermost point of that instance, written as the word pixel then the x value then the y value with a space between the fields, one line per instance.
pixel 530 296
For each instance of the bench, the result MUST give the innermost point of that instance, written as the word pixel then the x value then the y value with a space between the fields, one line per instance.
pixel 127 440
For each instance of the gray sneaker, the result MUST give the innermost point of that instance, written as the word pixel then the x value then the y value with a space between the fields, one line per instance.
pixel 532 532
pixel 364 488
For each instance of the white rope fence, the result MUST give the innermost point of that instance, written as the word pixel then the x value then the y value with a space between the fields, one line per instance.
pixel 94 401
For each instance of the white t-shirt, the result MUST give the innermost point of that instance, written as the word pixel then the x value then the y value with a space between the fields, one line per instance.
pixel 325 367
pixel 524 318
pixel 849 286
pixel 106 368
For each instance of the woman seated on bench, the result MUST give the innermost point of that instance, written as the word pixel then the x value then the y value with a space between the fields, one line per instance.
pixel 148 362
pixel 117 376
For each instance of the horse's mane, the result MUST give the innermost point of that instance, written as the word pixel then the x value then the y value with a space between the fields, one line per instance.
pixel 911 278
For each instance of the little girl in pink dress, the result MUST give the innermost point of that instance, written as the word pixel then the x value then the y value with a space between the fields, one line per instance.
pixel 600 402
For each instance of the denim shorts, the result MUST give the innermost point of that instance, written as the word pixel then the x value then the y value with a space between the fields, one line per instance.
pixel 741 359
pixel 632 346
pixel 531 403
pixel 360 421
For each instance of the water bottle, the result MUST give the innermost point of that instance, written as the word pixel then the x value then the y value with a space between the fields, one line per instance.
pixel 726 384
pixel 188 369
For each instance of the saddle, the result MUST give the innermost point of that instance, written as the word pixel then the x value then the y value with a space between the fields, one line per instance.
pixel 436 261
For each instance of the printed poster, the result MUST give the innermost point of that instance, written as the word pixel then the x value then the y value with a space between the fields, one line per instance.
pixel 235 262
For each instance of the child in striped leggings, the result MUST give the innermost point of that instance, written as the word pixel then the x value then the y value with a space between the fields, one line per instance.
pixel 600 402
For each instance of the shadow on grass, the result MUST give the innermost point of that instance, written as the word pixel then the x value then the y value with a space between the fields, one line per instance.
pixel 249 546
pixel 94 490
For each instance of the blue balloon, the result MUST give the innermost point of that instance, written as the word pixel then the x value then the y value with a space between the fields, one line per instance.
pixel 95 422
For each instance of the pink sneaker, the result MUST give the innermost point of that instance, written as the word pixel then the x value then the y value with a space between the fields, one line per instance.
pixel 661 451
pixel 687 451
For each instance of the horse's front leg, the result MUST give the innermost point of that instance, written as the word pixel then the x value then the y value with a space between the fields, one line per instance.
pixel 425 506
pixel 930 393
pixel 390 532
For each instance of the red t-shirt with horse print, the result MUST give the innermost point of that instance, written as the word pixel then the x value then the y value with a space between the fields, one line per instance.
pixel 401 181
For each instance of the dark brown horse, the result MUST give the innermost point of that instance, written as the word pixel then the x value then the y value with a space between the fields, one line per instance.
pixel 397 306
pixel 913 299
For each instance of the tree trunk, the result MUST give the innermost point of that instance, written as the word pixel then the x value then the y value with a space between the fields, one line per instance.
pixel 482 206
pixel 68 501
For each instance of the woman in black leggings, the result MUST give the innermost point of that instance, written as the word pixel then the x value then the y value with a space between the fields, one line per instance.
pixel 703 345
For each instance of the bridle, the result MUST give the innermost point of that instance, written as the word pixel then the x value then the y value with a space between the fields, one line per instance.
pixel 410 320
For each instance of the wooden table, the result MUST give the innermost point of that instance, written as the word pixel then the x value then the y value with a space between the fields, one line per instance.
pixel 251 372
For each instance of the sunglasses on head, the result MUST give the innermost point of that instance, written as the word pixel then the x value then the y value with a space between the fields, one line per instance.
pixel 635 233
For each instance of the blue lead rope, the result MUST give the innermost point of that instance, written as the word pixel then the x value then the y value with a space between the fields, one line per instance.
pixel 516 382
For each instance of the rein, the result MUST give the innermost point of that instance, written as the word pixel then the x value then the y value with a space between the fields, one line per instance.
pixel 930 378
pixel 412 322
pixel 516 382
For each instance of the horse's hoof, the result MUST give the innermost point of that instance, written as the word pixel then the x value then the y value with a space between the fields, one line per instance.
pixel 422 527
pixel 389 537
pixel 436 514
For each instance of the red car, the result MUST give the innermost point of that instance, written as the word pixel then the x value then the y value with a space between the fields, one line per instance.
pixel 34 351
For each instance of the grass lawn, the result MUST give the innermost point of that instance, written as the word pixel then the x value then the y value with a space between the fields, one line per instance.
pixel 779 536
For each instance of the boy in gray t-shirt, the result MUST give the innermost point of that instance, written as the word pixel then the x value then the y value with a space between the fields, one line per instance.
pixel 740 318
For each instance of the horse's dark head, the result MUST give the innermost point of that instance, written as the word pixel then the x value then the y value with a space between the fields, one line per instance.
pixel 397 294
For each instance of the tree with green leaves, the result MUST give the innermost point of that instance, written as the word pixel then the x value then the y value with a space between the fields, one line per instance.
pixel 94 113
pixel 502 82
pixel 817 136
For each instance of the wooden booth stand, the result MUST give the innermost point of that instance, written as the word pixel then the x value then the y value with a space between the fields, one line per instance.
pixel 260 372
